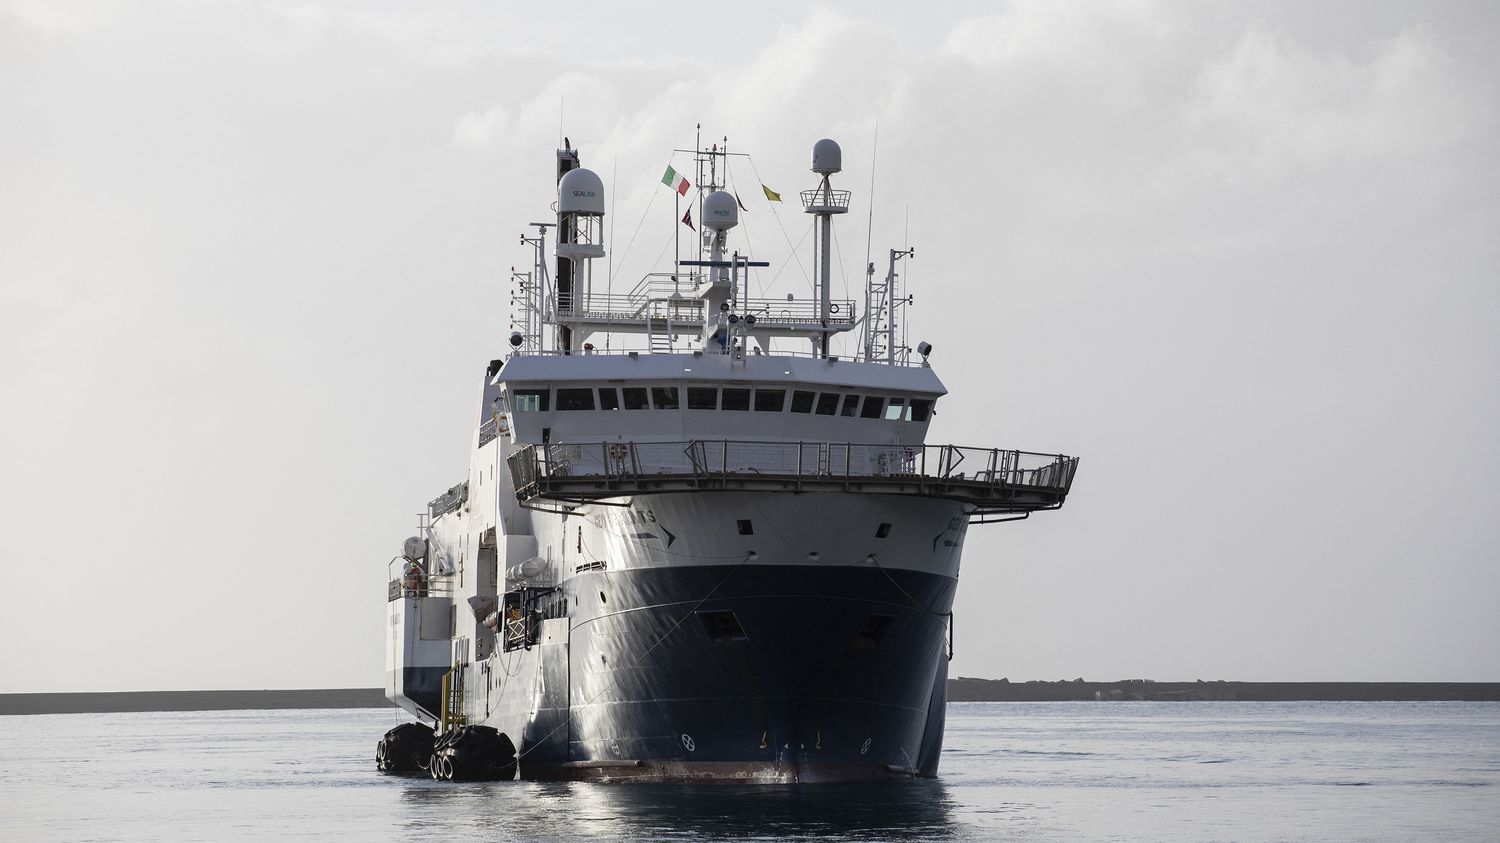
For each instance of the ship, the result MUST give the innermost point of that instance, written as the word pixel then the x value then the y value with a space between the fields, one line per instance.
pixel 702 536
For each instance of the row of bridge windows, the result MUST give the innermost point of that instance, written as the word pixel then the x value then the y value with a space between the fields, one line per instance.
pixel 734 398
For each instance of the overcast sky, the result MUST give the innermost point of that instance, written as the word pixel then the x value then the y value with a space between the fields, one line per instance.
pixel 1243 258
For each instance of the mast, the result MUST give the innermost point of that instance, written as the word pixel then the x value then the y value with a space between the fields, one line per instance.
pixel 824 202
pixel 882 299
pixel 567 161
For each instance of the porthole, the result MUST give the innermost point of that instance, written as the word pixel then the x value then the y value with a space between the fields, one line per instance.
pixel 601 597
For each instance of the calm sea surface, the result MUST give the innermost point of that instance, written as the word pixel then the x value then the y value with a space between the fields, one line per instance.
pixel 1202 771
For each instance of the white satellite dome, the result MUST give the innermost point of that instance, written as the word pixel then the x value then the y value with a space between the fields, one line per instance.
pixel 827 157
pixel 413 549
pixel 580 192
pixel 721 210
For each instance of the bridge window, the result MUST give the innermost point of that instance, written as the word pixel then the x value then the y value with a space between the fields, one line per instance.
pixel 609 398
pixel 529 401
pixel 736 398
pixel 802 402
pixel 828 403
pixel 871 409
pixel 575 399
pixel 745 527
pixel 703 398
pixel 921 409
pixel 851 406
pixel 635 398
pixel 769 400
pixel 665 397
pixel 883 530
pixel 896 409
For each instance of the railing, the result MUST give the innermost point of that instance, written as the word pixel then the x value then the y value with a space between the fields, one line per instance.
pixel 780 311
pixel 449 500
pixel 633 308
pixel 820 198
pixel 754 351
pixel 658 285
pixel 407 586
pixel 973 474
pixel 488 431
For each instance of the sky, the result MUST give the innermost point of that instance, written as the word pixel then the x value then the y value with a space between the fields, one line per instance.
pixel 1242 258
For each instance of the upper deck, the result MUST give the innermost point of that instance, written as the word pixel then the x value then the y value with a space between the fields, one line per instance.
pixel 664 397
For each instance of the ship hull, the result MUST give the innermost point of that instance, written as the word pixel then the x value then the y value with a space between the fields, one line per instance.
pixel 744 672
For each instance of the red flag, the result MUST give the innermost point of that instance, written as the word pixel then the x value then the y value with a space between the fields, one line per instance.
pixel 687 219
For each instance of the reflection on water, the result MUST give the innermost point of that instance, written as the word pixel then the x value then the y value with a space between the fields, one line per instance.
pixel 1097 771
pixel 561 810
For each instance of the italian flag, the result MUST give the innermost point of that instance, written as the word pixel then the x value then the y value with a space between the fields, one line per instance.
pixel 674 180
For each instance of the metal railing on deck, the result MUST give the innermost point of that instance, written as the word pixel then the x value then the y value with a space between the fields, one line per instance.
pixel 630 308
pixel 754 352
pixel 406 586
pixel 944 470
pixel 820 198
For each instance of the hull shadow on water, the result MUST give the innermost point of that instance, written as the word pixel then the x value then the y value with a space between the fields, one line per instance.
pixel 920 808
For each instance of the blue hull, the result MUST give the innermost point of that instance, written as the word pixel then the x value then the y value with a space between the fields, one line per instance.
pixel 745 672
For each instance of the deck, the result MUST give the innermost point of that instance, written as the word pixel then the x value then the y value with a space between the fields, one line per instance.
pixel 994 481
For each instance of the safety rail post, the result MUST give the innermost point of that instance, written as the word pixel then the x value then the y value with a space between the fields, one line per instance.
pixel 994 456
pixel 635 463
pixel 799 465
pixel 724 463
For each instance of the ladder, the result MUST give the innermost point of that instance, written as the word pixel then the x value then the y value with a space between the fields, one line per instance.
pixel 659 328
pixel 452 714
pixel 882 298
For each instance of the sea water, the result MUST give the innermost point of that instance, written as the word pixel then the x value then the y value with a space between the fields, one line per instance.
pixel 1106 770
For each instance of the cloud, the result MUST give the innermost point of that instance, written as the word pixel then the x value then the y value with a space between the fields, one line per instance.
pixel 53 18
pixel 1275 104
pixel 1074 33
pixel 480 129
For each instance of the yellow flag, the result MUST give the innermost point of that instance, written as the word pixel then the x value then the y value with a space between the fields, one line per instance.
pixel 771 194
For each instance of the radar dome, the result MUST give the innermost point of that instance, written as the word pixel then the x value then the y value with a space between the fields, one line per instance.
pixel 827 157
pixel 721 210
pixel 580 192
pixel 413 549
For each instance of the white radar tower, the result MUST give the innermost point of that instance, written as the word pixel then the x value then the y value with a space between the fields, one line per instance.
pixel 824 202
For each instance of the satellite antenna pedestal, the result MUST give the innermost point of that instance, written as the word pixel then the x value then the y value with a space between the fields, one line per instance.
pixel 580 239
pixel 824 202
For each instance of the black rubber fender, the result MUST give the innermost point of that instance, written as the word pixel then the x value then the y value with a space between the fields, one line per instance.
pixel 404 749
pixel 476 753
